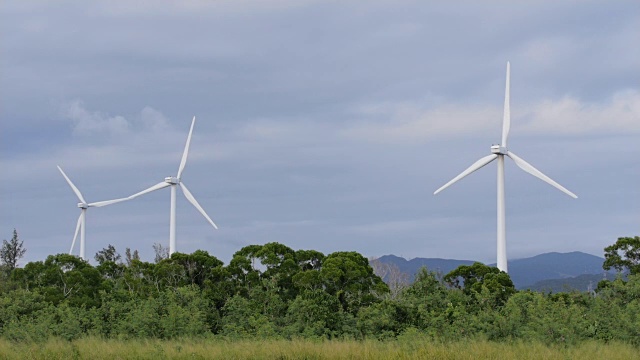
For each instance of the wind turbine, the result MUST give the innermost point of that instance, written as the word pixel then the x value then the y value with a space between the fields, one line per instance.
pixel 83 205
pixel 173 182
pixel 498 152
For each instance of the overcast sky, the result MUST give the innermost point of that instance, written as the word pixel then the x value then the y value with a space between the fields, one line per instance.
pixel 321 125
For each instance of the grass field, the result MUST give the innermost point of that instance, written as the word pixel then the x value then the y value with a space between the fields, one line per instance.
pixel 92 348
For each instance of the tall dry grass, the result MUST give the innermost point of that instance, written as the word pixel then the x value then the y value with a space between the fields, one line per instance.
pixel 94 348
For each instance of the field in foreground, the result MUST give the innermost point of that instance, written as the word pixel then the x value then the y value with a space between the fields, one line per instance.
pixel 92 348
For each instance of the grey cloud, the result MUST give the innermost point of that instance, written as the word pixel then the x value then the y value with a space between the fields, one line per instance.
pixel 91 122
pixel 320 125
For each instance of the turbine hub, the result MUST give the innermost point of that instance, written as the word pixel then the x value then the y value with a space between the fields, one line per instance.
pixel 498 150
pixel 172 180
pixel 83 206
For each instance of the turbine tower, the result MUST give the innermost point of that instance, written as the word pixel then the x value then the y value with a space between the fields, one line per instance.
pixel 83 205
pixel 173 182
pixel 498 152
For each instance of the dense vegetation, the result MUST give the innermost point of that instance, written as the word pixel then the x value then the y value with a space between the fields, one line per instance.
pixel 273 292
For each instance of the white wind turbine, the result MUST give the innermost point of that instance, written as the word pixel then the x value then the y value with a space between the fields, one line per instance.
pixel 83 205
pixel 498 152
pixel 173 181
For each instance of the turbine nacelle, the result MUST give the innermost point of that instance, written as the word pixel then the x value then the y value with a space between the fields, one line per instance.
pixel 83 205
pixel 172 180
pixel 498 149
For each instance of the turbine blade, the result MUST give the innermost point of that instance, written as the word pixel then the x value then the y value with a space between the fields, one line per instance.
pixel 194 202
pixel 183 162
pixel 75 236
pixel 153 188
pixel 537 173
pixel 107 202
pixel 475 166
pixel 73 187
pixel 506 119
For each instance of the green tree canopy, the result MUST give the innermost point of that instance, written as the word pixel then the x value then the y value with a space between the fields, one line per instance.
pixel 479 278
pixel 63 277
pixel 624 254
pixel 347 275
pixel 107 254
pixel 11 252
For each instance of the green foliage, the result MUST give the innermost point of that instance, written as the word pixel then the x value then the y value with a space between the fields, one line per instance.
pixel 383 320
pixel 489 285
pixel 107 254
pixel 314 314
pixel 197 267
pixel 429 303
pixel 19 304
pixel 240 320
pixel 348 276
pixel 271 291
pixel 28 317
pixel 62 277
pixel 184 313
pixel 11 252
pixel 242 269
pixel 623 255
pixel 129 256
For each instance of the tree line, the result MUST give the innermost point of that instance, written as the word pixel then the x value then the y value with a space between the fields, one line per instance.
pixel 273 291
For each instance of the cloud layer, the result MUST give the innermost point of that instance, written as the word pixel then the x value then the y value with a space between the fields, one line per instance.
pixel 320 125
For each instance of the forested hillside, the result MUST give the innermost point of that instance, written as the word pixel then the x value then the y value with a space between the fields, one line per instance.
pixel 273 291
pixel 525 273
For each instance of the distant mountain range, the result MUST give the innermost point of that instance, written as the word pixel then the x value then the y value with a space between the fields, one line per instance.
pixel 545 272
pixel 586 282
